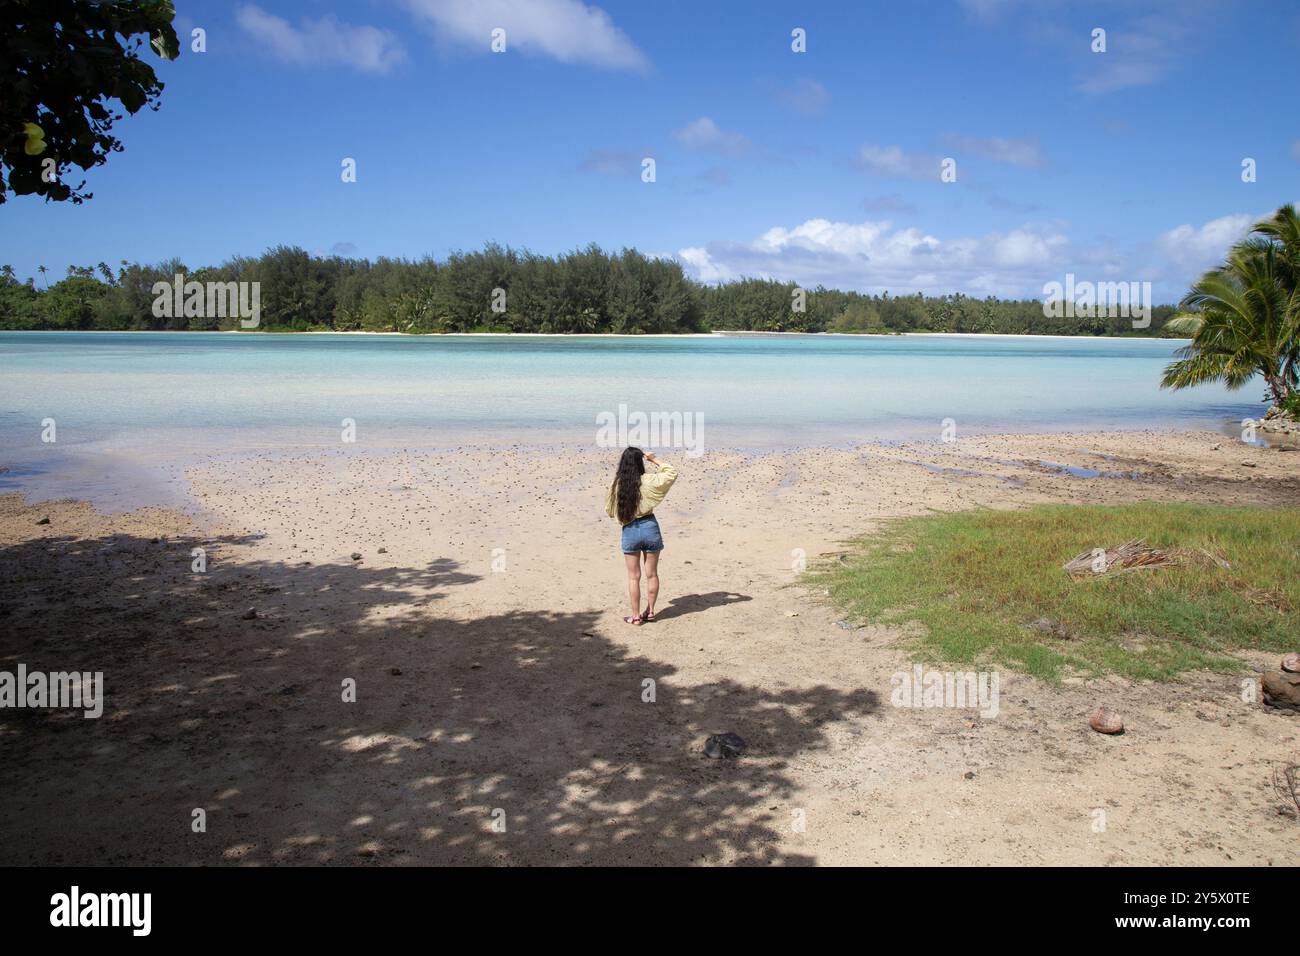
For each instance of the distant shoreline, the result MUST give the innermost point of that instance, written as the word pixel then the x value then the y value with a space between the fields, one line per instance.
pixel 721 333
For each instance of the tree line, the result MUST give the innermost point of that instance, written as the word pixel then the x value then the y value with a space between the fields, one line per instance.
pixel 499 289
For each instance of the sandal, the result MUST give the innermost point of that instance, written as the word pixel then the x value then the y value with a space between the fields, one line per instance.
pixel 632 620
pixel 647 616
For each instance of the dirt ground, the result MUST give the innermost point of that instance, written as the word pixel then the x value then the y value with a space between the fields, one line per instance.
pixel 502 710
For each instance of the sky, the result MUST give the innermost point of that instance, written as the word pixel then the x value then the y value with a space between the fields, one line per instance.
pixel 821 166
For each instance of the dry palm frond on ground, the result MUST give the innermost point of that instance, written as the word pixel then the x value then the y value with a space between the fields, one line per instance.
pixel 1135 555
pixel 1286 781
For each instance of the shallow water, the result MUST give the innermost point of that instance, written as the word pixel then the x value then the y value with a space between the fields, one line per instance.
pixel 141 399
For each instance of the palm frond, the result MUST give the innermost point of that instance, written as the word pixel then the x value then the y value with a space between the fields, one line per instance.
pixel 1185 323
pixel 1244 315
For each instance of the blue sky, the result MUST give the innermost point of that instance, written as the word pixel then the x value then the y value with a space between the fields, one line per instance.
pixel 820 166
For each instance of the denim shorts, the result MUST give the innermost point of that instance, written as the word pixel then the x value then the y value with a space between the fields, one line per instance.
pixel 642 535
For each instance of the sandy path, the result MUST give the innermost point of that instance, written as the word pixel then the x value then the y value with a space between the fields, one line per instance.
pixel 493 673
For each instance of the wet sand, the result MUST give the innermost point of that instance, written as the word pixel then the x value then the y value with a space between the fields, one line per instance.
pixel 496 683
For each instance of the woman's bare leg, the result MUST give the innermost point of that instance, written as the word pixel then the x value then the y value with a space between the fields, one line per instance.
pixel 651 580
pixel 633 562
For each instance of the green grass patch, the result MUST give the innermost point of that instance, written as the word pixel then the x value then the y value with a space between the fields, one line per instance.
pixel 975 580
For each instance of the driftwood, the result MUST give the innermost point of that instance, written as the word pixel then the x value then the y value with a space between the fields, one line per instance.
pixel 1135 555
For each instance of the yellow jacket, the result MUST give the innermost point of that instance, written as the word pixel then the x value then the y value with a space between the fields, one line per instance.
pixel 654 486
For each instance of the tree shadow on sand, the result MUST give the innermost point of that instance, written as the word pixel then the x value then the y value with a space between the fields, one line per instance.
pixel 530 719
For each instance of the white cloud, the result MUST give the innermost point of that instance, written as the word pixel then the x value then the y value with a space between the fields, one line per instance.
pixel 323 42
pixel 1144 51
pixel 894 163
pixel 805 96
pixel 1119 74
pixel 566 30
pixel 704 135
pixel 1024 153
pixel 874 257
pixel 1200 247
pixel 698 262
pixel 1144 42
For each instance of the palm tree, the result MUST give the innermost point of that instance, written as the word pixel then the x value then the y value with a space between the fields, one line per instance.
pixel 42 270
pixel 1244 316
pixel 1284 228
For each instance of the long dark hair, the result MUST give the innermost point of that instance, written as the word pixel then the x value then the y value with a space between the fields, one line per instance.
pixel 627 483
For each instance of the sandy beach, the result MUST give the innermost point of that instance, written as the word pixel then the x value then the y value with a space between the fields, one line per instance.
pixel 495 680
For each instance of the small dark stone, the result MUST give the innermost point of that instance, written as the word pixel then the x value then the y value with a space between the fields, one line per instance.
pixel 383 550
pixel 356 555
pixel 724 745
pixel 44 521
pixel 249 614
pixel 395 671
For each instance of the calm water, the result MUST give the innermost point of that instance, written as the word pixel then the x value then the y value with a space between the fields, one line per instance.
pixel 121 400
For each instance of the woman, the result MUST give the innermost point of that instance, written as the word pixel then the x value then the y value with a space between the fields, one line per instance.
pixel 632 498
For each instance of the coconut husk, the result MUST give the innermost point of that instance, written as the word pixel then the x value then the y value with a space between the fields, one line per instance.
pixel 1106 721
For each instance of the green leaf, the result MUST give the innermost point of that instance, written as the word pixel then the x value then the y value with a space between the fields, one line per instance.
pixel 35 144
